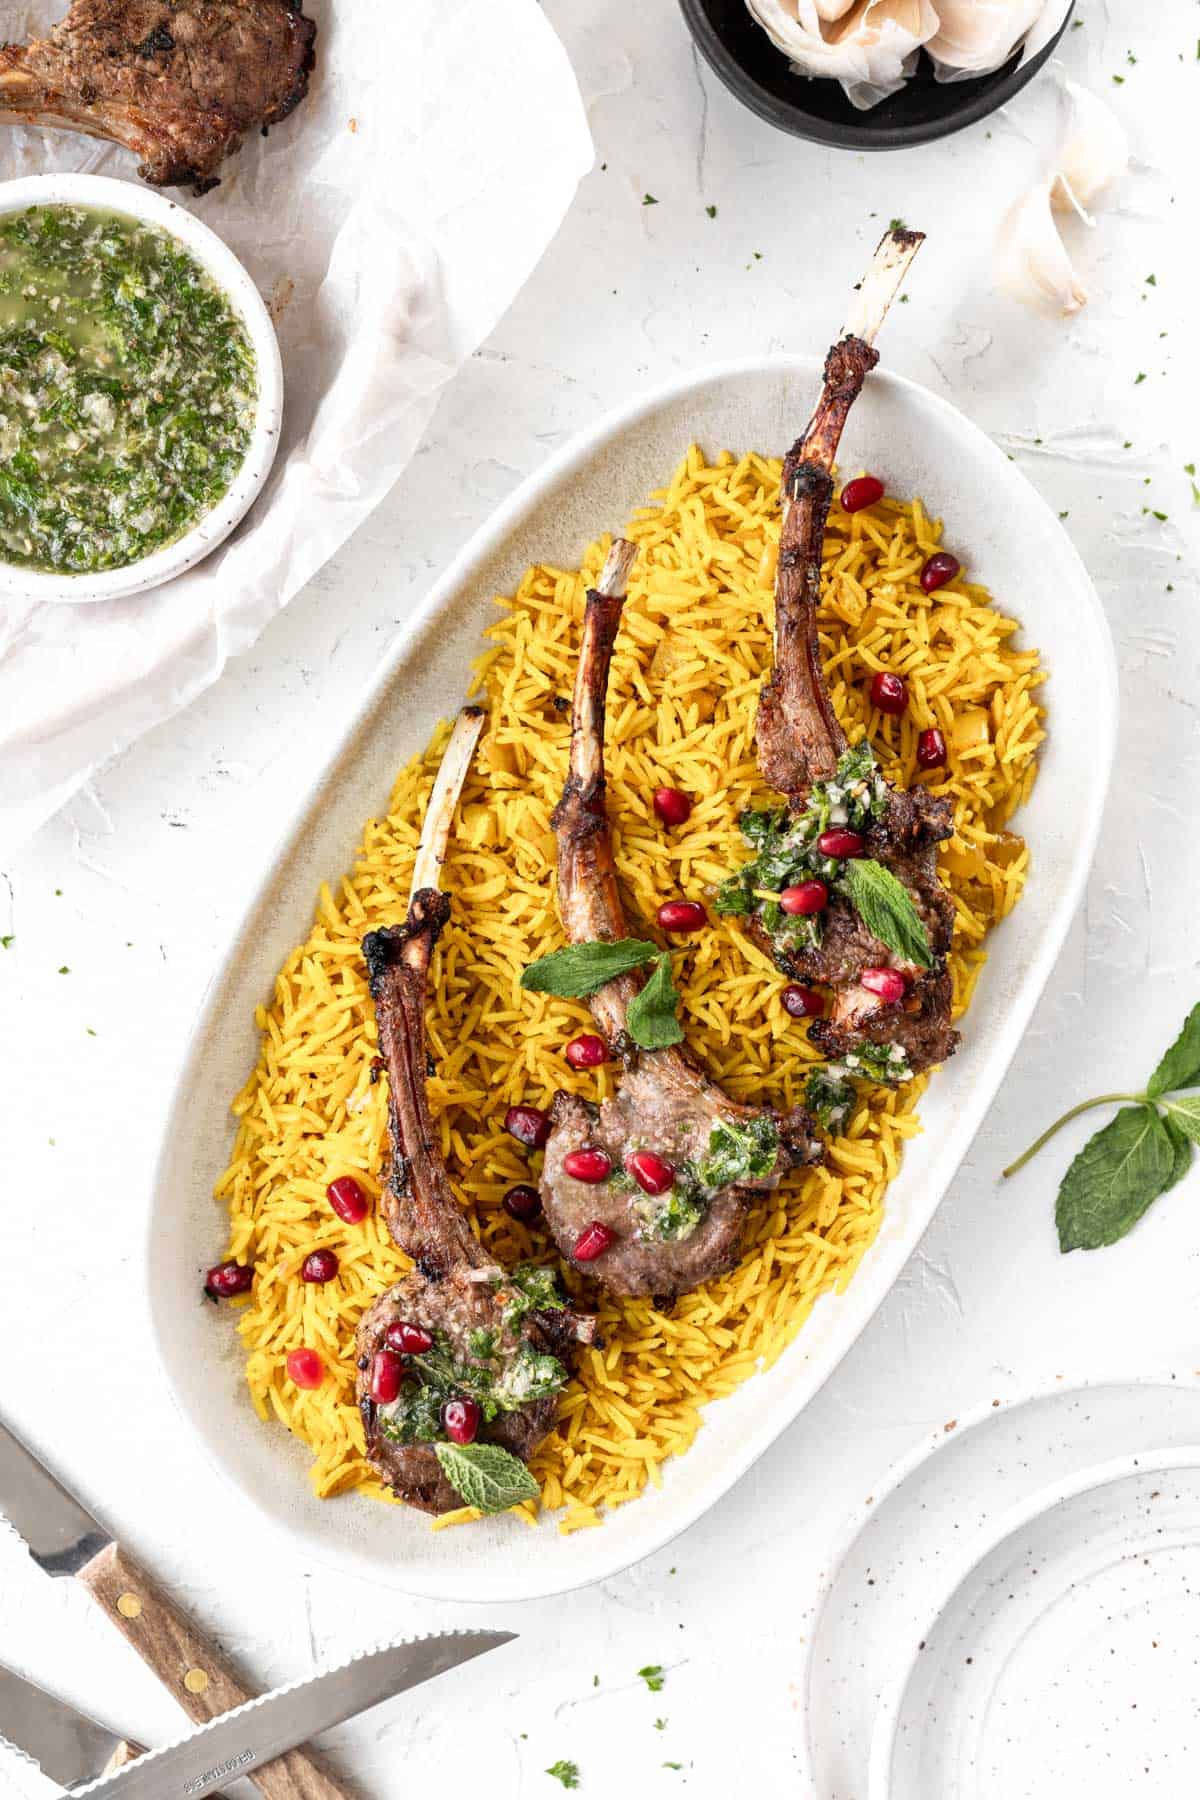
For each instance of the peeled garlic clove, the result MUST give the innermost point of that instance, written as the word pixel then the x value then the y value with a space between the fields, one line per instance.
pixel 1095 150
pixel 1032 264
pixel 869 46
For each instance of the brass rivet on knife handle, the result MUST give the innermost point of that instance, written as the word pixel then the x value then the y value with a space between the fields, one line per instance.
pixel 194 1670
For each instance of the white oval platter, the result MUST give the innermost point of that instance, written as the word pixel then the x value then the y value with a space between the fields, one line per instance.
pixel 1011 541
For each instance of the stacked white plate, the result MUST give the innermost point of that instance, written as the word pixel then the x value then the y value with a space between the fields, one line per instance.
pixel 1017 1612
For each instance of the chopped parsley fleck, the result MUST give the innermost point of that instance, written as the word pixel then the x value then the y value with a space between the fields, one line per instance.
pixel 6 943
pixel 653 1676
pixel 649 200
pixel 1140 378
pixel 711 211
pixel 566 1772
pixel 127 389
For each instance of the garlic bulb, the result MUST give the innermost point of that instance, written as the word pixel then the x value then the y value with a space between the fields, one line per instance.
pixel 976 36
pixel 1094 151
pixel 870 46
pixel 1032 264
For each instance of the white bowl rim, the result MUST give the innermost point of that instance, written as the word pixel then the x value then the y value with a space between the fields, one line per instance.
pixel 212 252
pixel 869 1283
pixel 1007 1524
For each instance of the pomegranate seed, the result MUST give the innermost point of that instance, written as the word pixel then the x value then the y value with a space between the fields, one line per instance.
pixel 802 1002
pixel 652 1174
pixel 387 1376
pixel 227 1279
pixel 522 1202
pixel 592 1242
pixel 588 1165
pixel 941 568
pixel 672 807
pixel 889 984
pixel 528 1124
pixel 407 1339
pixel 864 490
pixel 889 692
pixel 348 1200
pixel 319 1266
pixel 839 842
pixel 682 915
pixel 931 749
pixel 587 1051
pixel 807 897
pixel 305 1368
pixel 460 1420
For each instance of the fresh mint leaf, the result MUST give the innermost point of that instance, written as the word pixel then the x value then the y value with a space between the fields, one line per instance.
pixel 886 908
pixel 1184 1151
pixel 566 1772
pixel 1180 1067
pixel 650 1018
pixel 653 1676
pixel 486 1476
pixel 1184 1114
pixel 579 969
pixel 1116 1176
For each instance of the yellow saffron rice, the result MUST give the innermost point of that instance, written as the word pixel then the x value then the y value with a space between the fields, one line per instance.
pixel 691 655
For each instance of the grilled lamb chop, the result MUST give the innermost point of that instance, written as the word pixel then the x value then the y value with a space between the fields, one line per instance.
pixel 178 82
pixel 801 747
pixel 720 1153
pixel 501 1342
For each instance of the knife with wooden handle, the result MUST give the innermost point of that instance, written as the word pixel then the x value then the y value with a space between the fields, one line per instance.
pixel 64 1539
pixel 250 1740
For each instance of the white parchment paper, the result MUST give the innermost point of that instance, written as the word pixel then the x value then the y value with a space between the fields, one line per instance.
pixel 391 220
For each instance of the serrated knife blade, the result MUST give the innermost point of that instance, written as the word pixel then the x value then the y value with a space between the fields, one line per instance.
pixel 60 1534
pixel 68 1745
pixel 240 1741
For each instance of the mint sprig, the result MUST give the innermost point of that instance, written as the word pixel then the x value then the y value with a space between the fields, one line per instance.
pixel 488 1477
pixel 1137 1157
pixel 650 1017
pixel 579 969
pixel 886 908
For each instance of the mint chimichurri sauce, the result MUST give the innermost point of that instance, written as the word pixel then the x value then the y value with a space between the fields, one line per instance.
pixel 127 389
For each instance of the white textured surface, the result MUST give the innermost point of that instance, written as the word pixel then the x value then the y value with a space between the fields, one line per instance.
pixel 155 864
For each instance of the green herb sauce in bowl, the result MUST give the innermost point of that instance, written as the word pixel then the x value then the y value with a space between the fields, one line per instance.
pixel 140 389
pixel 127 389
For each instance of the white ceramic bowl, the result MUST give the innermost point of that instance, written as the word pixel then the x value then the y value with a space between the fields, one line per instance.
pixel 137 201
pixel 919 445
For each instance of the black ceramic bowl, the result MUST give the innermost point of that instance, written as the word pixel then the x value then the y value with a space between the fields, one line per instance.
pixel 741 53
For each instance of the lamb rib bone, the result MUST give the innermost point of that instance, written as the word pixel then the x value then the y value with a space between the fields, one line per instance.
pixel 665 1102
pixel 178 82
pixel 800 740
pixel 456 1289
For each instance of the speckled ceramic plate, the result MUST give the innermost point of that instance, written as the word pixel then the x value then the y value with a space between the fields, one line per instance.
pixel 1065 1662
pixel 918 445
pixel 1014 1594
